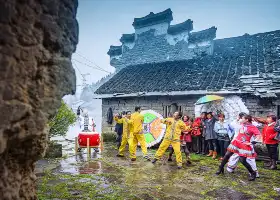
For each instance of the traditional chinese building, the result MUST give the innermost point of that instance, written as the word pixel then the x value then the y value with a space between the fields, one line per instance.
pixel 166 67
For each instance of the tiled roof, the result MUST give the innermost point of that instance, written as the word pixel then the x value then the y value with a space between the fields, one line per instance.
pixel 115 50
pixel 234 64
pixel 127 38
pixel 150 19
pixel 204 35
pixel 177 28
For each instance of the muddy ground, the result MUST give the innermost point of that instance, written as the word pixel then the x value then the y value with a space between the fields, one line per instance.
pixel 107 177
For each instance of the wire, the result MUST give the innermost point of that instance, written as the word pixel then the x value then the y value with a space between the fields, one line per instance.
pixel 78 69
pixel 89 61
pixel 91 66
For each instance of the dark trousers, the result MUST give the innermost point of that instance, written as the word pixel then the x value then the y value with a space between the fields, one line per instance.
pixel 189 146
pixel 272 151
pixel 223 144
pixel 119 140
pixel 200 143
pixel 242 159
pixel 212 143
pixel 184 149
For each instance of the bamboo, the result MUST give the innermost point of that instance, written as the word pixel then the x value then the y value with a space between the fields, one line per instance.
pixel 88 151
pixel 76 145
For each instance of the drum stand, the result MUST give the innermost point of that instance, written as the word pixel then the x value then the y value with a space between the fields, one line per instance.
pixel 78 147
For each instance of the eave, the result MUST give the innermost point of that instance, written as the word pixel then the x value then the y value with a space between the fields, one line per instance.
pixel 172 93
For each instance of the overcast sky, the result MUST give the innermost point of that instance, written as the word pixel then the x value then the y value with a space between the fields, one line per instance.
pixel 102 22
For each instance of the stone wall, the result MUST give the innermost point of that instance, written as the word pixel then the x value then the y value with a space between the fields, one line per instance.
pixel 37 39
pixel 256 106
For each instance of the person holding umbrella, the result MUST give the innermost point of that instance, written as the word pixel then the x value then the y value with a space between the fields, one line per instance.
pixel 208 124
pixel 210 134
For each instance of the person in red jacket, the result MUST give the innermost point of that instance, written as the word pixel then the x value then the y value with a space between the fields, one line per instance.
pixel 268 135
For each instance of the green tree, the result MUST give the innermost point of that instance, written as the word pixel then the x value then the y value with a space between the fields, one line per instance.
pixel 61 122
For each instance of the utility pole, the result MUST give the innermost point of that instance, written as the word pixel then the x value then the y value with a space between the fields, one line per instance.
pixel 84 79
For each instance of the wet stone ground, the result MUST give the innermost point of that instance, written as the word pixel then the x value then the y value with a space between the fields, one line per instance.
pixel 107 177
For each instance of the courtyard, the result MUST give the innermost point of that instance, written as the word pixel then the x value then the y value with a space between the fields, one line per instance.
pixel 107 177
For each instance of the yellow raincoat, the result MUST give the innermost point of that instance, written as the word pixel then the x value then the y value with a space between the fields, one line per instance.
pixel 137 135
pixel 127 129
pixel 172 137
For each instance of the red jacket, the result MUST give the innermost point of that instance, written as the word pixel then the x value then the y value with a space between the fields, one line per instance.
pixel 196 126
pixel 269 134
pixel 186 136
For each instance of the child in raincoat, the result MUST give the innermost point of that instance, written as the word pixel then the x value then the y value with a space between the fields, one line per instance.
pixel 173 132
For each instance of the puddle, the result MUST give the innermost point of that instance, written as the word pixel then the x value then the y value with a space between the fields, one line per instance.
pixel 109 177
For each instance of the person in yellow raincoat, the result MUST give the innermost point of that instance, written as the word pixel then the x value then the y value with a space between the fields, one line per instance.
pixel 172 137
pixel 127 129
pixel 137 135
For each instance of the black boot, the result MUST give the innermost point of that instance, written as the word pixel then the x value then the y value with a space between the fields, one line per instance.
pixel 154 161
pixel 273 165
pixel 252 176
pixel 220 171
pixel 268 165
pixel 169 159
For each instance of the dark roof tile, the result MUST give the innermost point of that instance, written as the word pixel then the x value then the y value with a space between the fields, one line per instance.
pixel 232 58
pixel 115 50
pixel 151 19
pixel 178 28
pixel 127 38
pixel 204 35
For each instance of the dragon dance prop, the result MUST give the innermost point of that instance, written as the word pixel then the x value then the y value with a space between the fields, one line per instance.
pixel 154 130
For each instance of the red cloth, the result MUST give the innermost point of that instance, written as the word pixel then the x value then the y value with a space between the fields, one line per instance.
pixel 186 136
pixel 196 127
pixel 241 144
pixel 269 134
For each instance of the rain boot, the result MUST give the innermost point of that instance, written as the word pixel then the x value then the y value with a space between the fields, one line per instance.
pixel 268 165
pixel 154 161
pixel 273 165
pixel 210 153
pixel 252 176
pixel 188 160
pixel 214 155
pixel 220 171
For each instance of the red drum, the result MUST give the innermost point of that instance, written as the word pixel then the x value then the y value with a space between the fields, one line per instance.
pixel 94 139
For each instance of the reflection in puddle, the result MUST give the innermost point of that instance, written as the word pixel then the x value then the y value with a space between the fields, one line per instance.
pixel 92 167
pixel 79 165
